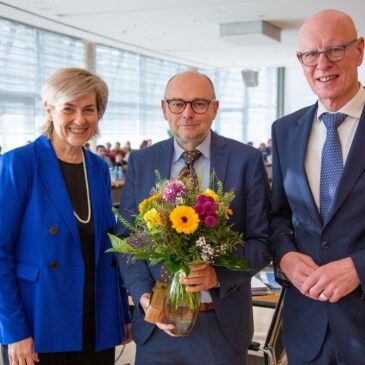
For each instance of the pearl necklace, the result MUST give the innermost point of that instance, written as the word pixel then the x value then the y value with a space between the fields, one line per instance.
pixel 87 195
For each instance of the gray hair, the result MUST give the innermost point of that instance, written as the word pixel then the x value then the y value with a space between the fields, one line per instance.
pixel 67 84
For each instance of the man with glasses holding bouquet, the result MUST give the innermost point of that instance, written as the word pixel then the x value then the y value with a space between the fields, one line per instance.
pixel 318 226
pixel 223 330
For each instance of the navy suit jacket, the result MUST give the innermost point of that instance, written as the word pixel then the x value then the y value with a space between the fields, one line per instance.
pixel 41 263
pixel 240 168
pixel 297 226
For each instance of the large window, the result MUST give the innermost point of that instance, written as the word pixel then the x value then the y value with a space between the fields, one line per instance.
pixel 136 83
pixel 246 112
pixel 27 57
pixel 136 86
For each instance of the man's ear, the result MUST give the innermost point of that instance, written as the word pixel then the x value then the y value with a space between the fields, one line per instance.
pixel 164 106
pixel 215 107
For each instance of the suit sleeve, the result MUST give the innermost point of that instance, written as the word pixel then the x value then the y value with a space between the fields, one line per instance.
pixel 14 182
pixel 136 275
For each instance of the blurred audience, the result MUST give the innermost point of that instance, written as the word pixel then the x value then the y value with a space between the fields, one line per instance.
pixel 269 147
pixel 127 150
pixel 101 151
pixel 145 143
pixel 262 148
pixel 119 161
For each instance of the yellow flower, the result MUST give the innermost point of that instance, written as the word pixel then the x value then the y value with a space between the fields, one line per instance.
pixel 144 203
pixel 152 218
pixel 211 193
pixel 228 211
pixel 184 219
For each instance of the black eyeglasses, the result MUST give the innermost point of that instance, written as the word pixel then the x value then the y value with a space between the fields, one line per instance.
pixel 198 106
pixel 333 54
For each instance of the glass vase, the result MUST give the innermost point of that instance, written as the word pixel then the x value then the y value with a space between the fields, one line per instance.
pixel 181 307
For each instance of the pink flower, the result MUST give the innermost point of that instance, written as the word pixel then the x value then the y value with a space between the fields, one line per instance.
pixel 173 191
pixel 210 207
pixel 201 199
pixel 211 220
pixel 199 208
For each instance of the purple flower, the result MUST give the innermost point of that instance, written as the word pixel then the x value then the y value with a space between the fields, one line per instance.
pixel 201 199
pixel 210 207
pixel 173 191
pixel 199 208
pixel 139 239
pixel 211 220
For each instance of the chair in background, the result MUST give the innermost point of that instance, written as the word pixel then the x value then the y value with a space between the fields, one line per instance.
pixel 273 349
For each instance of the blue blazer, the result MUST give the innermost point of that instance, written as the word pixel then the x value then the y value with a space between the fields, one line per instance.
pixel 297 226
pixel 240 168
pixel 41 263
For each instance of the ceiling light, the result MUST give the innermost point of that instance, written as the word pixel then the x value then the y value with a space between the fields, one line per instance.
pixel 251 32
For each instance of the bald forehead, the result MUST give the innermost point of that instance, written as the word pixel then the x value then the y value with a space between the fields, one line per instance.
pixel 327 25
pixel 191 84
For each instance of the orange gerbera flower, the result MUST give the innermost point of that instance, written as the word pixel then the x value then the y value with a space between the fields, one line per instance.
pixel 184 219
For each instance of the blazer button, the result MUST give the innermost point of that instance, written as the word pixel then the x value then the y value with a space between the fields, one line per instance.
pixel 53 230
pixel 325 244
pixel 53 265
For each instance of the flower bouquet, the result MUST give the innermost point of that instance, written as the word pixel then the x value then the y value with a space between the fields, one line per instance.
pixel 181 225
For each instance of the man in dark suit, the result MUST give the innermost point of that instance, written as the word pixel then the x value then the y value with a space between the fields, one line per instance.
pixel 222 334
pixel 318 200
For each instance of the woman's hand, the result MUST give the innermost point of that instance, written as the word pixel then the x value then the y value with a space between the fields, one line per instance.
pixel 128 334
pixel 22 352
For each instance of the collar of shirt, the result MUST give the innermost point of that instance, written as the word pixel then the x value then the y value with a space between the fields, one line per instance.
pixel 204 148
pixel 353 108
pixel 318 134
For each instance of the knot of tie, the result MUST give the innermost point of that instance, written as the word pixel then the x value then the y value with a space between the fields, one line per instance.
pixel 188 171
pixel 333 120
pixel 190 157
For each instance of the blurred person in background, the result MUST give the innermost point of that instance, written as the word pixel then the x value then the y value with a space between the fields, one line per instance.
pixel 127 150
pixel 102 153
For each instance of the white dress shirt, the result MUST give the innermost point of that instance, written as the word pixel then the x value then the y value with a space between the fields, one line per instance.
pixel 317 137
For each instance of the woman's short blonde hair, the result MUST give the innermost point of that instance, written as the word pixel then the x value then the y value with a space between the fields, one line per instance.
pixel 68 84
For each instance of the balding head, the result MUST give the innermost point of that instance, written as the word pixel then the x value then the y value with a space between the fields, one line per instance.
pixel 325 26
pixel 189 125
pixel 333 79
pixel 185 77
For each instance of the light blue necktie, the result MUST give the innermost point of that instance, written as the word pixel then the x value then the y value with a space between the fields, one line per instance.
pixel 332 163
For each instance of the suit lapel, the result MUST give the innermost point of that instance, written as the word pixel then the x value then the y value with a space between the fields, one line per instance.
pixel 53 181
pixel 298 140
pixel 163 159
pixel 219 159
pixel 354 167
pixel 96 194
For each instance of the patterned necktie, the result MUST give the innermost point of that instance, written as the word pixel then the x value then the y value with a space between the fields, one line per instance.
pixel 188 172
pixel 332 163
